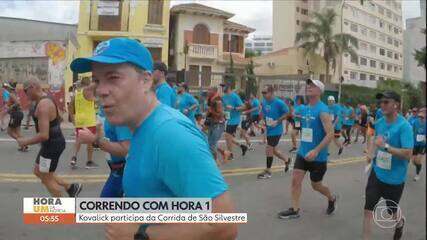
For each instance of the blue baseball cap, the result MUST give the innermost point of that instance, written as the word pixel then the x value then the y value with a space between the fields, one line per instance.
pixel 115 51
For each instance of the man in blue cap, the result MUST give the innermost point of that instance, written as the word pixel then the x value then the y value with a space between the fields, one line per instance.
pixel 157 165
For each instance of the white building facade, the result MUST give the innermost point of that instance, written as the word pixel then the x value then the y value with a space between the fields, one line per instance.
pixel 260 44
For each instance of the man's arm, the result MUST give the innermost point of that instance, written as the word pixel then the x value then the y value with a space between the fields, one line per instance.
pixel 42 113
pixel 327 125
pixel 221 204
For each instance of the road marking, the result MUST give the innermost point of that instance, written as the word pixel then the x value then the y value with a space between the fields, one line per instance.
pixel 100 178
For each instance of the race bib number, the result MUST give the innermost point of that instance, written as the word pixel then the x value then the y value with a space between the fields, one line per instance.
pixel 297 124
pixel 346 118
pixel 384 160
pixel 307 135
pixel 421 138
pixel 332 117
pixel 243 117
pixel 227 115
pixel 44 164
pixel 269 121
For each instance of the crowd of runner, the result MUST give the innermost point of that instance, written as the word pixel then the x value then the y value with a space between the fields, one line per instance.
pixel 159 135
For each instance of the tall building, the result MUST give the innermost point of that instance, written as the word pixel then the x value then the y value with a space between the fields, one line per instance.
pixel 260 43
pixel 376 24
pixel 147 21
pixel 414 39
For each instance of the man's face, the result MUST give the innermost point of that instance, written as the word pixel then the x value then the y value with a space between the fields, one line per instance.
pixel 331 102
pixel 422 114
pixel 312 90
pixel 119 87
pixel 157 76
pixel 267 94
pixel 388 106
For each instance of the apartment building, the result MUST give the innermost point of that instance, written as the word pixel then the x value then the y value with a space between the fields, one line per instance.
pixel 376 24
pixel 260 44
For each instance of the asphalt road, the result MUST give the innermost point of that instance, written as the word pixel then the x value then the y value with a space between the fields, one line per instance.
pixel 261 199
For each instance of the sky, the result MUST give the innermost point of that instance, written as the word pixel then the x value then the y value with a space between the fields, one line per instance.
pixel 255 14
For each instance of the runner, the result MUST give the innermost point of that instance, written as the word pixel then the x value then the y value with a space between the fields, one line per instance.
pixel 186 103
pixel 49 135
pixel 336 113
pixel 363 122
pixel 348 123
pixel 289 120
pixel 157 165
pixel 357 121
pixel 274 112
pixel 233 105
pixel 215 125
pixel 392 146
pixel 246 123
pixel 116 145
pixel 255 114
pixel 16 116
pixel 299 106
pixel 5 95
pixel 312 156
pixel 414 116
pixel 165 93
pixel 370 132
pixel 83 114
pixel 419 126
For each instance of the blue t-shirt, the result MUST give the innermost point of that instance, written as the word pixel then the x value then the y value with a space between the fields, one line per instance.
pixel 255 104
pixel 398 134
pixel 185 101
pixel 116 134
pixel 298 111
pixel 348 120
pixel 274 109
pixel 311 120
pixel 357 111
pixel 336 113
pixel 5 95
pixel 412 119
pixel 166 94
pixel 378 114
pixel 233 100
pixel 170 157
pixel 419 127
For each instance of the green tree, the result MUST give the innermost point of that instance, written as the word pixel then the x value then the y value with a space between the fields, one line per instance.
pixel 317 35
pixel 250 54
pixel 420 55
pixel 230 78
pixel 251 84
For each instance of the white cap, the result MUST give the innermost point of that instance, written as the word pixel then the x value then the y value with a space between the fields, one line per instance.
pixel 318 83
pixel 331 98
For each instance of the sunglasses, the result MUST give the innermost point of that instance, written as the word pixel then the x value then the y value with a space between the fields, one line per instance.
pixel 264 92
pixel 384 101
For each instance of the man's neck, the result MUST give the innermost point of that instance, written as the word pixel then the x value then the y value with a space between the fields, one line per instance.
pixel 312 100
pixel 161 81
pixel 144 112
pixel 391 117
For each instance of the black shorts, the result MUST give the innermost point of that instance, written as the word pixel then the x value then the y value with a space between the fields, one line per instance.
pixel 317 169
pixel 291 121
pixel 246 124
pixel 273 140
pixel 16 119
pixel 231 129
pixel 296 128
pixel 337 133
pixel 255 119
pixel 52 152
pixel 419 150
pixel 375 189
pixel 346 127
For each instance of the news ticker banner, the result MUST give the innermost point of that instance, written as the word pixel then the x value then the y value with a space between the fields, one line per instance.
pixel 124 210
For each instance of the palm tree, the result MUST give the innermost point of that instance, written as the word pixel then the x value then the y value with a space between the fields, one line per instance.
pixel 317 35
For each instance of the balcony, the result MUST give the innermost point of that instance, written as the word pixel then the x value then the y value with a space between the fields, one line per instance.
pixel 202 51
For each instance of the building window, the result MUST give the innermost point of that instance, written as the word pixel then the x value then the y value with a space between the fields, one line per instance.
pixel 381 78
pixel 382 37
pixel 109 15
pixel 156 53
pixel 389 40
pixel 396 43
pixel 353 75
pixel 304 11
pixel 257 44
pixel 373 48
pixel 363 61
pixel 269 44
pixel 248 45
pixel 382 51
pixel 373 63
pixel 381 22
pixel 396 30
pixel 297 22
pixel 396 56
pixel 389 67
pixel 364 31
pixel 372 34
pixel 225 43
pixel 201 34
pixel 389 54
pixel 353 59
pixel 353 27
pixel 372 77
pixel 362 76
pixel 390 28
pixel 297 9
pixel 155 12
pixel 395 68
pixel 382 66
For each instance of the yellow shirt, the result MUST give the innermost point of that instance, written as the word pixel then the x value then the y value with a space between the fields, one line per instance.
pixel 85 111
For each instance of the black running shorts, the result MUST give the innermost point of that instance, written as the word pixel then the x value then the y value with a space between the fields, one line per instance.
pixel 317 169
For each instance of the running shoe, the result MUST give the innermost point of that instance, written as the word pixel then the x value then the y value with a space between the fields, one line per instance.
pixel 417 177
pixel 331 206
pixel 264 175
pixel 91 165
pixel 74 190
pixel 293 149
pixel 398 232
pixel 73 162
pixel 340 151
pixel 250 147
pixel 287 165
pixel 289 214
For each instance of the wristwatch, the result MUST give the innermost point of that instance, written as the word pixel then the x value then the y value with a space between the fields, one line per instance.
pixel 141 234
pixel 386 147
